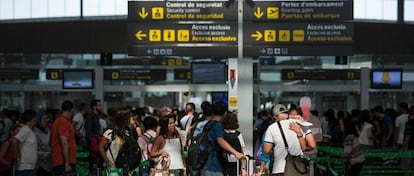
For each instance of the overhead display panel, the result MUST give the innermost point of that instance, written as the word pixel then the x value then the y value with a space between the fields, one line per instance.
pixel 297 28
pixel 297 39
pixel 135 74
pixel 182 28
pixel 320 74
pixel 24 74
pixel 212 28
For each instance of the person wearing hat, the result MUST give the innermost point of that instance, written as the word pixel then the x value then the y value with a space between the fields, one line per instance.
pixel 273 141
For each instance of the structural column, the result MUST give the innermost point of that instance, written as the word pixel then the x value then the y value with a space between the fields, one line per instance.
pixel 99 84
pixel 241 97
pixel 364 89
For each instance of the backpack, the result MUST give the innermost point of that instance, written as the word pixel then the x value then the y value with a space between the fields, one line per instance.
pixel 199 148
pixel 94 156
pixel 129 154
pixel 233 140
pixel 8 156
pixel 149 142
pixel 144 169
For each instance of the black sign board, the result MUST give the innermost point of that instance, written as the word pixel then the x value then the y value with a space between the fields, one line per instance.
pixel 178 10
pixel 23 74
pixel 282 11
pixel 298 39
pixel 218 33
pixel 182 74
pixel 299 33
pixel 135 74
pixel 320 74
pixel 183 39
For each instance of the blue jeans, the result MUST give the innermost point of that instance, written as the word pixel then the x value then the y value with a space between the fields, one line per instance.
pixel 25 173
pixel 60 170
pixel 210 173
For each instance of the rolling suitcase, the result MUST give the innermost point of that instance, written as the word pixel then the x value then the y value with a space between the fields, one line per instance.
pixel 250 165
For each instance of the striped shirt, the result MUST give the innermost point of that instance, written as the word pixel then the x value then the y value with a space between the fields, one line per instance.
pixel 352 148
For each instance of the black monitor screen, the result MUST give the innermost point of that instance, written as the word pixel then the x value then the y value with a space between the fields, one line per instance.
pixel 208 73
pixel 386 79
pixel 77 79
pixel 219 96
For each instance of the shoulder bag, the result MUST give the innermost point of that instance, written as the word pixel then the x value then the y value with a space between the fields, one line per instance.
pixel 295 165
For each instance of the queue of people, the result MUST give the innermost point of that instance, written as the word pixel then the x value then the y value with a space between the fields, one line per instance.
pixel 169 134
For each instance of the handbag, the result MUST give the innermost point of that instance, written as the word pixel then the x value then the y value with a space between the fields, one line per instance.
pixel 161 168
pixel 295 165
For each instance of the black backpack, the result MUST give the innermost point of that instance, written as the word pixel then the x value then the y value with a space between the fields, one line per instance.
pixel 130 153
pixel 233 140
pixel 199 148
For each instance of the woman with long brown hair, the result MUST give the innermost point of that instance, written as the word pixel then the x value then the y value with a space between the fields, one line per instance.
pixel 168 144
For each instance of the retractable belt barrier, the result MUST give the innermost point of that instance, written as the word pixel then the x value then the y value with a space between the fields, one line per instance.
pixel 329 161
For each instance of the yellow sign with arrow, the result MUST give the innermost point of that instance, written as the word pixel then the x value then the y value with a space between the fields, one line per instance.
pixel 139 35
pixel 258 13
pixel 143 13
pixel 258 35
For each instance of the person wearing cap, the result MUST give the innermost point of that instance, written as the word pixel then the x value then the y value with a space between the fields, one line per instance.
pixel 273 141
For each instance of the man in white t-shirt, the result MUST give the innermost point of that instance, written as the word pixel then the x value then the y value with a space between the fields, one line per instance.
pixel 25 145
pixel 185 122
pixel 400 122
pixel 273 141
pixel 79 122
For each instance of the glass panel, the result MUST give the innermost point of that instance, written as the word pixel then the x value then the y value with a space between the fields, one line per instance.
pixel 91 8
pixel 106 7
pixel 39 9
pixel 6 9
pixel 56 8
pixel 121 7
pixel 359 8
pixel 270 76
pixel 409 10
pixel 390 10
pixel 22 9
pixel 374 9
pixel 72 8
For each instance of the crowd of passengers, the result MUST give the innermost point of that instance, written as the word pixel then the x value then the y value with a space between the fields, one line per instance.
pixel 167 132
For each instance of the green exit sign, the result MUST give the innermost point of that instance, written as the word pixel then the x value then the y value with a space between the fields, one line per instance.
pixel 341 60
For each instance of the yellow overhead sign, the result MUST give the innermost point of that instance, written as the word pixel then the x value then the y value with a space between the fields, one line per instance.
pixel 154 35
pixel 284 35
pixel 115 75
pixel 183 35
pixel 270 35
pixel 157 13
pixel 272 13
pixel 298 35
pixel 168 35
pixel 54 75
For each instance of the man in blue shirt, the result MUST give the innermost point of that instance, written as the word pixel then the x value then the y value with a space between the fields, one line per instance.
pixel 213 166
pixel 387 126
